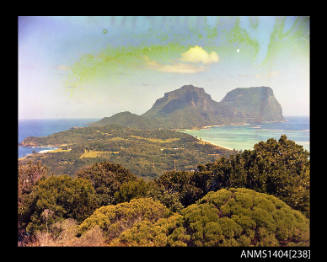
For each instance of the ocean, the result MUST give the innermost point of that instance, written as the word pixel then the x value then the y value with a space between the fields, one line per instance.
pixel 44 127
pixel 233 137
pixel 295 128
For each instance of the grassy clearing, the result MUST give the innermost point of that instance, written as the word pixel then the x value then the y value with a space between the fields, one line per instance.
pixel 157 140
pixel 117 138
pixel 59 150
pixel 95 154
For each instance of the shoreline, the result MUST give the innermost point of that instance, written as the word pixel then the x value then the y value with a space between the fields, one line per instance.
pixel 226 125
pixel 56 147
pixel 211 143
pixel 258 130
pixel 53 149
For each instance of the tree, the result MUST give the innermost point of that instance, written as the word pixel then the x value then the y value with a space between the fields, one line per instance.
pixel 106 179
pixel 130 190
pixel 180 182
pixel 281 168
pixel 170 199
pixel 63 197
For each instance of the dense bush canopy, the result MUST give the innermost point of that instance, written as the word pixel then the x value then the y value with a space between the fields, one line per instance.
pixel 59 197
pixel 28 176
pixel 182 183
pixel 257 197
pixel 280 168
pixel 241 217
pixel 114 219
pixel 106 179
pixel 130 190
pixel 234 217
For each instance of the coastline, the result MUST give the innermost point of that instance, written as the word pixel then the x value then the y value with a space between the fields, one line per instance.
pixel 52 149
pixel 204 141
pixel 231 124
pixel 246 135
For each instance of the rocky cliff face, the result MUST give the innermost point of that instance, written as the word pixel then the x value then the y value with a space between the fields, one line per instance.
pixel 254 104
pixel 186 97
pixel 190 106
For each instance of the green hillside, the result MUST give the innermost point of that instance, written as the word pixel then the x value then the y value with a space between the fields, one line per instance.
pixel 146 153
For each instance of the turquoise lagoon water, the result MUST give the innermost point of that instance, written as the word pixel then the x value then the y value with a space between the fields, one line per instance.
pixel 233 137
pixel 245 137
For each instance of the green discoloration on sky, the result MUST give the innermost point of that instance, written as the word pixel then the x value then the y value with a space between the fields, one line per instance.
pixel 117 58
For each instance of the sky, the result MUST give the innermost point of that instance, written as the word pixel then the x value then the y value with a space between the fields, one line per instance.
pixel 94 67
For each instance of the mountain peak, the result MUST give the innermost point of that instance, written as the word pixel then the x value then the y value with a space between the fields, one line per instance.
pixel 188 96
pixel 262 91
pixel 190 106
pixel 192 88
pixel 186 89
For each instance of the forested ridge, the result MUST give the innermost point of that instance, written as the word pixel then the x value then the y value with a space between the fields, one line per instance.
pixel 258 197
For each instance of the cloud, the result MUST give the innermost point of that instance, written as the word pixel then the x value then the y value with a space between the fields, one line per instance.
pixel 197 54
pixel 194 60
pixel 180 68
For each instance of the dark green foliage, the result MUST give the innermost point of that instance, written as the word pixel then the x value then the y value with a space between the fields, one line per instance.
pixel 182 184
pixel 278 168
pixel 107 179
pixel 56 198
pixel 281 168
pixel 170 199
pixel 232 216
pixel 130 190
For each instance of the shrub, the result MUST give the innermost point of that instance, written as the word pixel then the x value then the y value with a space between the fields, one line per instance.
pixel 63 233
pixel 241 217
pixel 233 217
pixel 114 219
pixel 148 234
pixel 28 176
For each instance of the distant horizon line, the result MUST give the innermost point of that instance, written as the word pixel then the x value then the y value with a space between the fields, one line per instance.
pixel 69 118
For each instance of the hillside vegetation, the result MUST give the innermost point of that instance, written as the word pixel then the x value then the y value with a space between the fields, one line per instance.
pixel 147 153
pixel 257 197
